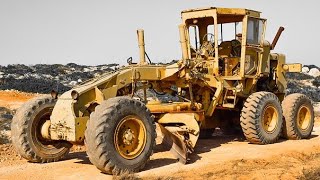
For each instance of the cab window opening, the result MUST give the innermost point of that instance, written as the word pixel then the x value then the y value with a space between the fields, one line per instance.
pixel 255 31
pixel 230 31
pixel 194 36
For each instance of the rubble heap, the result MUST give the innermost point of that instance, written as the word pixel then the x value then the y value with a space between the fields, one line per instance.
pixel 307 82
pixel 42 78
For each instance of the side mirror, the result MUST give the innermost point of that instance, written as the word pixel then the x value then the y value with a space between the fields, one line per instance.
pixel 129 60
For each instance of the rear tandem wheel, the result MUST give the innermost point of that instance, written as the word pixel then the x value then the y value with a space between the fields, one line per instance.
pixel 261 118
pixel 299 116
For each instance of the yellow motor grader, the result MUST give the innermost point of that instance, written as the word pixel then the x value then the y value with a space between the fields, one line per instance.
pixel 227 76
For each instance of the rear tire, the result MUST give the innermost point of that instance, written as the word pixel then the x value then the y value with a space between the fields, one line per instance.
pixel 26 136
pixel 120 136
pixel 299 116
pixel 261 118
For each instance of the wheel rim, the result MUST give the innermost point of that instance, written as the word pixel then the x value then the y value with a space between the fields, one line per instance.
pixel 270 119
pixel 304 117
pixel 130 137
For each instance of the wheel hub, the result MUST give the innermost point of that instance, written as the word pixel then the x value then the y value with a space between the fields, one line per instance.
pixel 304 117
pixel 128 137
pixel 45 129
pixel 270 119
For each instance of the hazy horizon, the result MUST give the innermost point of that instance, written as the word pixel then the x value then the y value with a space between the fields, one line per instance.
pixel 102 32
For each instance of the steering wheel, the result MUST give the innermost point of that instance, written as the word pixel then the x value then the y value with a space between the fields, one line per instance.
pixel 207 47
pixel 211 37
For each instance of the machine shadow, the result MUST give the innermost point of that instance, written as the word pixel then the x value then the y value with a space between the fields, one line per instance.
pixel 313 136
pixel 82 157
pixel 160 162
pixel 206 145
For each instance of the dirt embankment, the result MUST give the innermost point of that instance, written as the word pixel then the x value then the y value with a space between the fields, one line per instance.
pixel 220 157
pixel 10 100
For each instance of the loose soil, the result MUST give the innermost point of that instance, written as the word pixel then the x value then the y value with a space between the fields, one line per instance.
pixel 220 157
pixel 12 99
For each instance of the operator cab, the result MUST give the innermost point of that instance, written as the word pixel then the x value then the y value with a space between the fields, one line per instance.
pixel 202 39
pixel 230 38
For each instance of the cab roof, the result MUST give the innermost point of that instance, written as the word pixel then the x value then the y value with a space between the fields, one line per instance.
pixel 220 12
pixel 237 11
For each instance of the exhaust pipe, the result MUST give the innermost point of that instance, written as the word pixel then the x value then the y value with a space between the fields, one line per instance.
pixel 276 38
pixel 140 33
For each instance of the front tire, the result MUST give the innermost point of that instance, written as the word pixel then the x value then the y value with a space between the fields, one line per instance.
pixel 261 118
pixel 26 132
pixel 299 116
pixel 120 136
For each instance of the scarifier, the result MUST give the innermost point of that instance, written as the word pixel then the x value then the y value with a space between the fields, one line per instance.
pixel 226 78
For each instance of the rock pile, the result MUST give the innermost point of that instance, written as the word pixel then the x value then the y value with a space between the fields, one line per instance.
pixel 311 70
pixel 307 82
pixel 43 78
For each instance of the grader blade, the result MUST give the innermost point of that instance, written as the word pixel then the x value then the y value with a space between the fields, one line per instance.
pixel 175 142
pixel 180 133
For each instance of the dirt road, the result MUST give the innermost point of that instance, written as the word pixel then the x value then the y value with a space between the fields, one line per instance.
pixel 223 157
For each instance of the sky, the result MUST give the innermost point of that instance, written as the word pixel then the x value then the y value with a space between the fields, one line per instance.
pixel 102 32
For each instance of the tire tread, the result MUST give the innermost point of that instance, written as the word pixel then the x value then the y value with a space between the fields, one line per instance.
pixel 250 117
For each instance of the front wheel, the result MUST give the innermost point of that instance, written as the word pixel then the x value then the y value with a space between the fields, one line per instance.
pixel 261 118
pixel 26 132
pixel 120 135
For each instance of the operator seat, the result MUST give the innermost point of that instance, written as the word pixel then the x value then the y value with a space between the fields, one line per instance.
pixel 230 48
pixel 225 48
